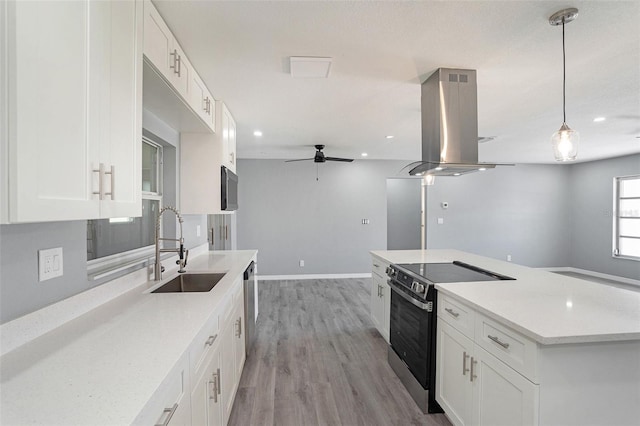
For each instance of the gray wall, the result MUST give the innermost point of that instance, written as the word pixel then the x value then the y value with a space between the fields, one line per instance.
pixel 591 211
pixel 20 290
pixel 404 213
pixel 289 216
pixel 520 210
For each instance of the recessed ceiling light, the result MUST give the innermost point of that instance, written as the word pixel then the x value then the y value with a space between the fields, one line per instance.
pixel 390 136
pixel 257 133
pixel 438 168
pixel 599 119
pixel 482 169
pixel 456 174
pixel 364 154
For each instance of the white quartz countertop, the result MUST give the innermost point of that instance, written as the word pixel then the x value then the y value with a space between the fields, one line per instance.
pixel 549 308
pixel 103 367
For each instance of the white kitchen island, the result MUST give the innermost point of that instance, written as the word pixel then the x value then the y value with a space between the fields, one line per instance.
pixel 543 349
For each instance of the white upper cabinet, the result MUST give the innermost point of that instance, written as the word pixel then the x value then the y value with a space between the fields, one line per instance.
pixel 202 101
pixel 163 52
pixel 228 139
pixel 73 102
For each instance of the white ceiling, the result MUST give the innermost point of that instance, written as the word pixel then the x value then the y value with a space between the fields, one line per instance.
pixel 383 50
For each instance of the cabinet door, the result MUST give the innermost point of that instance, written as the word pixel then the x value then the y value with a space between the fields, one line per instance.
pixel 206 400
pixel 501 396
pixel 227 369
pixel 50 156
pixel 453 381
pixel 376 305
pixel 385 302
pixel 117 123
pixel 228 139
pixel 158 40
pixel 239 342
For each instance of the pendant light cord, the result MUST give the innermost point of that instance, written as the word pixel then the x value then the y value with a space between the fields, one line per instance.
pixel 564 79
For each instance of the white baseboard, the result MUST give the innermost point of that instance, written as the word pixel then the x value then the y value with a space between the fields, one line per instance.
pixel 622 280
pixel 312 276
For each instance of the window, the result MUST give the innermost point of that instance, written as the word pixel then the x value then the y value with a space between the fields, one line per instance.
pixel 117 244
pixel 626 217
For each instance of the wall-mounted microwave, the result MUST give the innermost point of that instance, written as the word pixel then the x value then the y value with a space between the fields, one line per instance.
pixel 228 189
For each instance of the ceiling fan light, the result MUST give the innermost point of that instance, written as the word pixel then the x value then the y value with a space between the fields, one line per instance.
pixel 565 143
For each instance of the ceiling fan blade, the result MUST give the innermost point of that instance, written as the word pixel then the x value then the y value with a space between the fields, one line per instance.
pixel 344 160
pixel 299 159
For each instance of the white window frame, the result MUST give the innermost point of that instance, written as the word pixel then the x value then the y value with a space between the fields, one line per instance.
pixel 617 214
pixel 115 263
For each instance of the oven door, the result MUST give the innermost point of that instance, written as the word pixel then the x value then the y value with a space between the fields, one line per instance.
pixel 411 332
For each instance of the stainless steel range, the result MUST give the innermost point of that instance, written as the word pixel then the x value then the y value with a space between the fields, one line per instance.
pixel 412 350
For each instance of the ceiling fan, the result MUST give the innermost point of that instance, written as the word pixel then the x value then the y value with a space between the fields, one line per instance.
pixel 320 157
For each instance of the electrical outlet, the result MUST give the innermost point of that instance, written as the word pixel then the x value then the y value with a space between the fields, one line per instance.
pixel 302 263
pixel 508 258
pixel 440 221
pixel 50 264
pixel 197 230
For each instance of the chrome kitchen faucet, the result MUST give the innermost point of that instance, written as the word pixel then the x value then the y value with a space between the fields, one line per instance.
pixel 182 253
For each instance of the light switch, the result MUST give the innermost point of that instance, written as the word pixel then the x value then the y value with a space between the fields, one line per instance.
pixel 50 263
pixel 440 221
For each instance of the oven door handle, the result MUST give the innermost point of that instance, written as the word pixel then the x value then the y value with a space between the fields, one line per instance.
pixel 424 306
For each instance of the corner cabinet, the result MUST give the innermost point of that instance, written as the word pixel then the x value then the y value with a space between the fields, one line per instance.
pixel 201 157
pixel 380 297
pixel 72 110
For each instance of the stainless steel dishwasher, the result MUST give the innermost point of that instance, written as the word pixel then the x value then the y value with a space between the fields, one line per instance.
pixel 249 306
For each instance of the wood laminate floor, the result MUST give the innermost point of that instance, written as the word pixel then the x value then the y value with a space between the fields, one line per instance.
pixel 318 360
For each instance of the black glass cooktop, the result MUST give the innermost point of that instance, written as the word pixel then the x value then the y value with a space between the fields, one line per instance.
pixel 451 272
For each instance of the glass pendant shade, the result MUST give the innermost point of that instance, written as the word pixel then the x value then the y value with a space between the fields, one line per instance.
pixel 565 143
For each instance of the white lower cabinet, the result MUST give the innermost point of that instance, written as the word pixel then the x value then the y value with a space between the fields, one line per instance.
pixel 380 298
pixel 201 389
pixel 206 395
pixel 453 384
pixel 473 386
pixel 501 396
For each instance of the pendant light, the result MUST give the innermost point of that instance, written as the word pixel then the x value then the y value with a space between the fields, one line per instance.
pixel 564 141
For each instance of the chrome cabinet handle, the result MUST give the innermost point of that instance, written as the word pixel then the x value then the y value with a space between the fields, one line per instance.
pixel 100 172
pixel 175 60
pixel 210 340
pixel 381 291
pixel 472 375
pixel 452 312
pixel 376 265
pixel 218 380
pixel 214 382
pixel 464 363
pixel 171 411
pixel 239 329
pixel 498 341
pixel 112 172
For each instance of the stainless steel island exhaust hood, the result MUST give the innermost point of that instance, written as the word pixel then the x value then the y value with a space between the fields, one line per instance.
pixel 450 124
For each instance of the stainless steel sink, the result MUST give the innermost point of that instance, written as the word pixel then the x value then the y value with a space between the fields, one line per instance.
pixel 192 282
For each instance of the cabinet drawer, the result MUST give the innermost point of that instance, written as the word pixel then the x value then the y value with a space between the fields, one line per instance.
pixel 514 349
pixel 458 315
pixel 379 267
pixel 203 344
